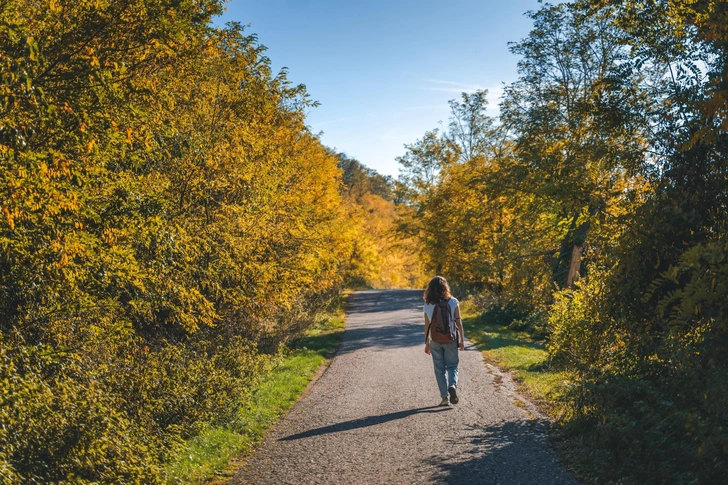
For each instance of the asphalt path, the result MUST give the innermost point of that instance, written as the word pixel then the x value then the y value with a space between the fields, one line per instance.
pixel 372 417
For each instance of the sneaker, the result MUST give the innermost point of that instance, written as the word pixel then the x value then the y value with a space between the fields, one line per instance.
pixel 453 394
pixel 444 402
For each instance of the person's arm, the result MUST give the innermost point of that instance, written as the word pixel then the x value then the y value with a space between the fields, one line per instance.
pixel 459 323
pixel 427 337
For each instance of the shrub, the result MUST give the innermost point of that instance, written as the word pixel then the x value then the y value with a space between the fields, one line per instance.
pixel 167 220
pixel 67 428
pixel 650 402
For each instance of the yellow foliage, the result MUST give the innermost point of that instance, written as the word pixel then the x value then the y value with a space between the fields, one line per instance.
pixel 381 258
pixel 167 217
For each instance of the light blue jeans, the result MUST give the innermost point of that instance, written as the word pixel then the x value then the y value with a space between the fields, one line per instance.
pixel 445 358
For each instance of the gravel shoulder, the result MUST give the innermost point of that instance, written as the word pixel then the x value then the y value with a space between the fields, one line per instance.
pixel 372 416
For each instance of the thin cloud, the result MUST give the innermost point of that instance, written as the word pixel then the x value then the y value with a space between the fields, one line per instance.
pixel 454 90
pixel 398 135
pixel 423 107
pixel 451 86
pixel 440 81
pixel 494 92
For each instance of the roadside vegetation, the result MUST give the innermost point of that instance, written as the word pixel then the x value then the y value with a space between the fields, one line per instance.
pixel 213 454
pixel 588 221
pixel 519 352
pixel 169 225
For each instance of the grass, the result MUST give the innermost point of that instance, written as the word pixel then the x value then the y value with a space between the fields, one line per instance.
pixel 214 453
pixel 518 353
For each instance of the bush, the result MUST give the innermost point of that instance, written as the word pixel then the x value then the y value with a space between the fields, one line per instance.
pixel 534 323
pixel 176 388
pixel 68 428
pixel 651 404
pixel 167 220
pixel 578 329
pixel 70 419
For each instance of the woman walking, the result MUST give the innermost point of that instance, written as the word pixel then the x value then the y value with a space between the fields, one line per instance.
pixel 443 337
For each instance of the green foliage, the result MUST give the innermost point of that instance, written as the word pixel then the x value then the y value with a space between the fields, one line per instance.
pixel 594 215
pixel 211 452
pixel 167 221
pixel 647 336
pixel 637 397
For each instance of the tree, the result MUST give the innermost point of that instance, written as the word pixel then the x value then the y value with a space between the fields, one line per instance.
pixel 379 259
pixel 359 180
pixel 471 132
pixel 167 220
pixel 576 115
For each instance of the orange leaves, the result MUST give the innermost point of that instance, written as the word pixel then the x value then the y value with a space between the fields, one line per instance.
pixel 10 216
pixel 70 204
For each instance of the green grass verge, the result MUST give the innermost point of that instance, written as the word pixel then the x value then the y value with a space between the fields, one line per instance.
pixel 213 453
pixel 518 353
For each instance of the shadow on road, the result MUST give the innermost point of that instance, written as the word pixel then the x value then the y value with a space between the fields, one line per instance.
pixel 398 330
pixel 363 422
pixel 382 337
pixel 373 301
pixel 508 453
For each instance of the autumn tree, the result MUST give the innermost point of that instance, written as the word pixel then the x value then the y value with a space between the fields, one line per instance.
pixel 359 180
pixel 577 118
pixel 655 318
pixel 167 220
pixel 379 258
pixel 595 216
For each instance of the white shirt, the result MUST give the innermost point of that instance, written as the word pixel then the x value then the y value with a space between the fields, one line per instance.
pixel 452 304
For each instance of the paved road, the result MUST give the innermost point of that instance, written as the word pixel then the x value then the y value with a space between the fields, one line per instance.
pixel 372 417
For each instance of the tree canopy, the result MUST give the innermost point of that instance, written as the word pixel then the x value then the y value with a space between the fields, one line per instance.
pixel 167 220
pixel 593 209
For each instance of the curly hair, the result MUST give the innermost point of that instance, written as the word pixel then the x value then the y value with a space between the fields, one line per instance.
pixel 437 290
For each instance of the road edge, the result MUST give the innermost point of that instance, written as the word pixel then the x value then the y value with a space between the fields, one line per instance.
pixel 237 463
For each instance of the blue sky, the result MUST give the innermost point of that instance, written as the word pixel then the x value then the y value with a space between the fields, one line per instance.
pixel 383 71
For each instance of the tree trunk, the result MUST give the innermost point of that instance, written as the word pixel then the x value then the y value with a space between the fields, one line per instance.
pixel 568 265
pixel 574 265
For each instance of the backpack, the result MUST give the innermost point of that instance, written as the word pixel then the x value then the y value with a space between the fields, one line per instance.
pixel 442 326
